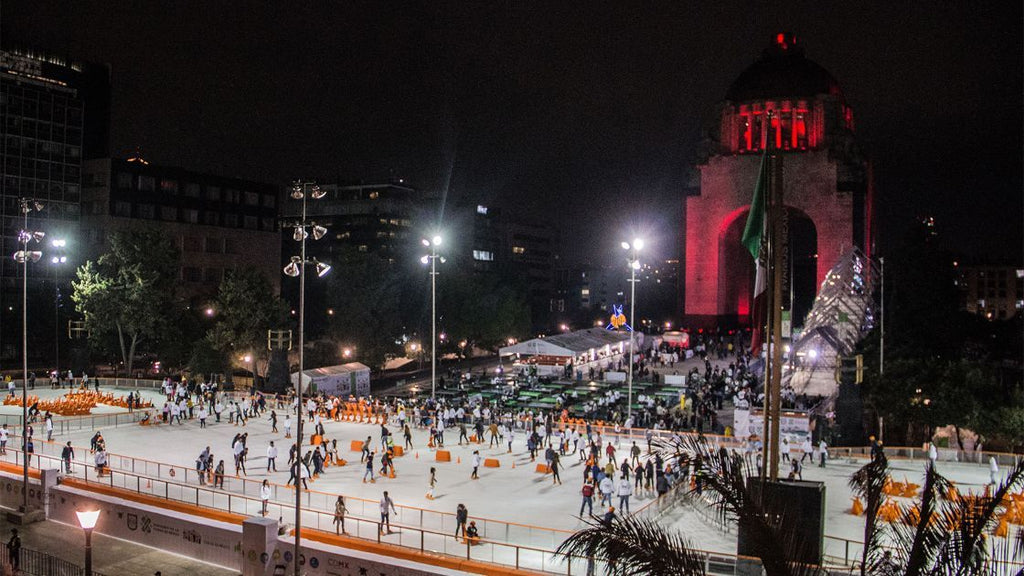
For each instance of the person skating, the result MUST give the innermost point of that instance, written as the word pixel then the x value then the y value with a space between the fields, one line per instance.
pixel 369 469
pixel 472 534
pixel 407 433
pixel 638 477
pixel 808 450
pixel 609 516
pixel 218 475
pixel 287 426
pixel 386 507
pixel 265 493
pixel 993 469
pixel 625 491
pixel 461 516
pixel 366 450
pixel 273 421
pixel 432 483
pixel 271 457
pixel 493 429
pixel 607 487
pixel 476 465
pixel 588 497
pixel 555 465
pixel 462 433
pixel 67 455
pixel 339 515
pixel 823 453
pixel 635 453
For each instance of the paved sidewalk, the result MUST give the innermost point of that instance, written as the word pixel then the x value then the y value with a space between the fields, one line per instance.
pixel 110 556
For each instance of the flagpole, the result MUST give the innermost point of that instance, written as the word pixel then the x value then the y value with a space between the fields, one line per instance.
pixel 779 240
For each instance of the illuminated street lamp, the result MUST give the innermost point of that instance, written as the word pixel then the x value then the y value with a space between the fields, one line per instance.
pixel 87 520
pixel 431 258
pixel 57 259
pixel 634 265
pixel 297 267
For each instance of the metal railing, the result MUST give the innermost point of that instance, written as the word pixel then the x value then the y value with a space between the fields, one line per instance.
pixel 36 563
pixel 71 424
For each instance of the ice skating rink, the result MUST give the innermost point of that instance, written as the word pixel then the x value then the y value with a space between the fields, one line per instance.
pixel 512 503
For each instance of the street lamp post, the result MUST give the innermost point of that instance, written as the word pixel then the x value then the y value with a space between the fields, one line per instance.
pixel 23 257
pixel 634 264
pixel 87 520
pixel 433 243
pixel 297 267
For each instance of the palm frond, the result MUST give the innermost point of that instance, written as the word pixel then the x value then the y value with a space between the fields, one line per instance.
pixel 869 483
pixel 635 546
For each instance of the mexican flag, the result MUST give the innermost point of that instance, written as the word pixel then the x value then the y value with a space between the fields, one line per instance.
pixel 755 237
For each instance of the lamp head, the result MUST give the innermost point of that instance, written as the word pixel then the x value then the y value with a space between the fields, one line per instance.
pixel 317 193
pixel 436 240
pixel 87 518
pixel 300 233
pixel 425 242
pixel 638 243
pixel 292 269
pixel 625 245
pixel 318 231
pixel 322 269
pixel 297 193
pixel 425 259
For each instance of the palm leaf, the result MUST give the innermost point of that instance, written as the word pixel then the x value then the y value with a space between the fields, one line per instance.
pixel 635 546
pixel 868 483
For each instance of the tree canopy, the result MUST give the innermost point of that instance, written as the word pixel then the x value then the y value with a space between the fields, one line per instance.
pixel 127 295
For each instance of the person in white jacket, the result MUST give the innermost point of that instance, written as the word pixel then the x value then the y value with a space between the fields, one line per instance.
pixel 271 457
pixel 265 493
pixel 625 491
pixel 607 488
pixel 993 469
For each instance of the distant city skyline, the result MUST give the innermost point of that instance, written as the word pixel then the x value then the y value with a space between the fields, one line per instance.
pixel 591 118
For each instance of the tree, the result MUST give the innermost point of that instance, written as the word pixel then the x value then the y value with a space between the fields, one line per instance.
pixel 246 308
pixel 483 310
pixel 128 292
pixel 365 291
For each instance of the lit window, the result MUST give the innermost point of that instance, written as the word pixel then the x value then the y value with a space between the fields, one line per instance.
pixel 585 292
pixel 518 250
pixel 374 195
pixel 481 209
pixel 483 255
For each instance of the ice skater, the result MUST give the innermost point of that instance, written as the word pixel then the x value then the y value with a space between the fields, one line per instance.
pixel 387 505
pixel 476 465
pixel 339 515
pixel 432 483
pixel 271 457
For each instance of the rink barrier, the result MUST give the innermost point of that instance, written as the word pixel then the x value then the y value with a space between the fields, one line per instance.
pixel 63 425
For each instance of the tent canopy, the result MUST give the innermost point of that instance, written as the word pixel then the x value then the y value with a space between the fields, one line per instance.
pixel 569 344
pixel 351 378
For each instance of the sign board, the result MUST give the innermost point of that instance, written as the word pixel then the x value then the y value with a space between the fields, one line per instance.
pixel 794 426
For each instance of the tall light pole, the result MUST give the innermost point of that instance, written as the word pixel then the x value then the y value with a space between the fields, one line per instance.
pixel 634 265
pixel 57 260
pixel 433 243
pixel 881 346
pixel 23 256
pixel 297 267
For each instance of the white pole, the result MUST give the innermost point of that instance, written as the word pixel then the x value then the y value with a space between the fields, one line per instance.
pixel 881 347
pixel 298 389
pixel 632 334
pixel 433 320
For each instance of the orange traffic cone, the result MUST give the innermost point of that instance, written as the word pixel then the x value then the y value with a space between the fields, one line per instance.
pixel 513 463
pixel 458 459
pixel 391 473
pixel 417 454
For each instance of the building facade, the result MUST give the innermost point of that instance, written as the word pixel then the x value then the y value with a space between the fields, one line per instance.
pixel 993 291
pixel 218 223
pixel 796 109
pixel 55 113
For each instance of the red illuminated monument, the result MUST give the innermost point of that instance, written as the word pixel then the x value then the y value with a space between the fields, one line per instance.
pixel 792 105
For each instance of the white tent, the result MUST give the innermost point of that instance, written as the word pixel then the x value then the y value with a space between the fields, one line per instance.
pixel 341 380
pixel 581 348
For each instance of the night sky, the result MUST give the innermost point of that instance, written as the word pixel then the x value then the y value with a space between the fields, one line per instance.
pixel 589 115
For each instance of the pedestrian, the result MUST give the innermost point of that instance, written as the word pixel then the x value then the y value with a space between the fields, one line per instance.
pixel 511 436
pixel 933 454
pixel 993 469
pixel 4 432
pixel 203 414
pixel 407 433
pixel 625 491
pixel 588 497
pixel 386 507
pixel 476 465
pixel 287 426
pixel 555 465
pixel 49 427
pixel 635 453
pixel 339 515
pixel 808 450
pixel 609 516
pixel 823 453
pixel 433 482
pixel 461 516
pixel 265 493
pixel 366 450
pixel 272 457
pixel 273 421
pixel 14 550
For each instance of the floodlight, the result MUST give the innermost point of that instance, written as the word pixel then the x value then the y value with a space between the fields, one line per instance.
pixel 322 269
pixel 635 264
pixel 22 256
pixel 292 269
pixel 625 245
pixel 300 233
pixel 638 243
pixel 318 231
pixel 297 191
pixel 425 259
pixel 58 242
pixel 425 242
pixel 317 193
pixel 436 240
